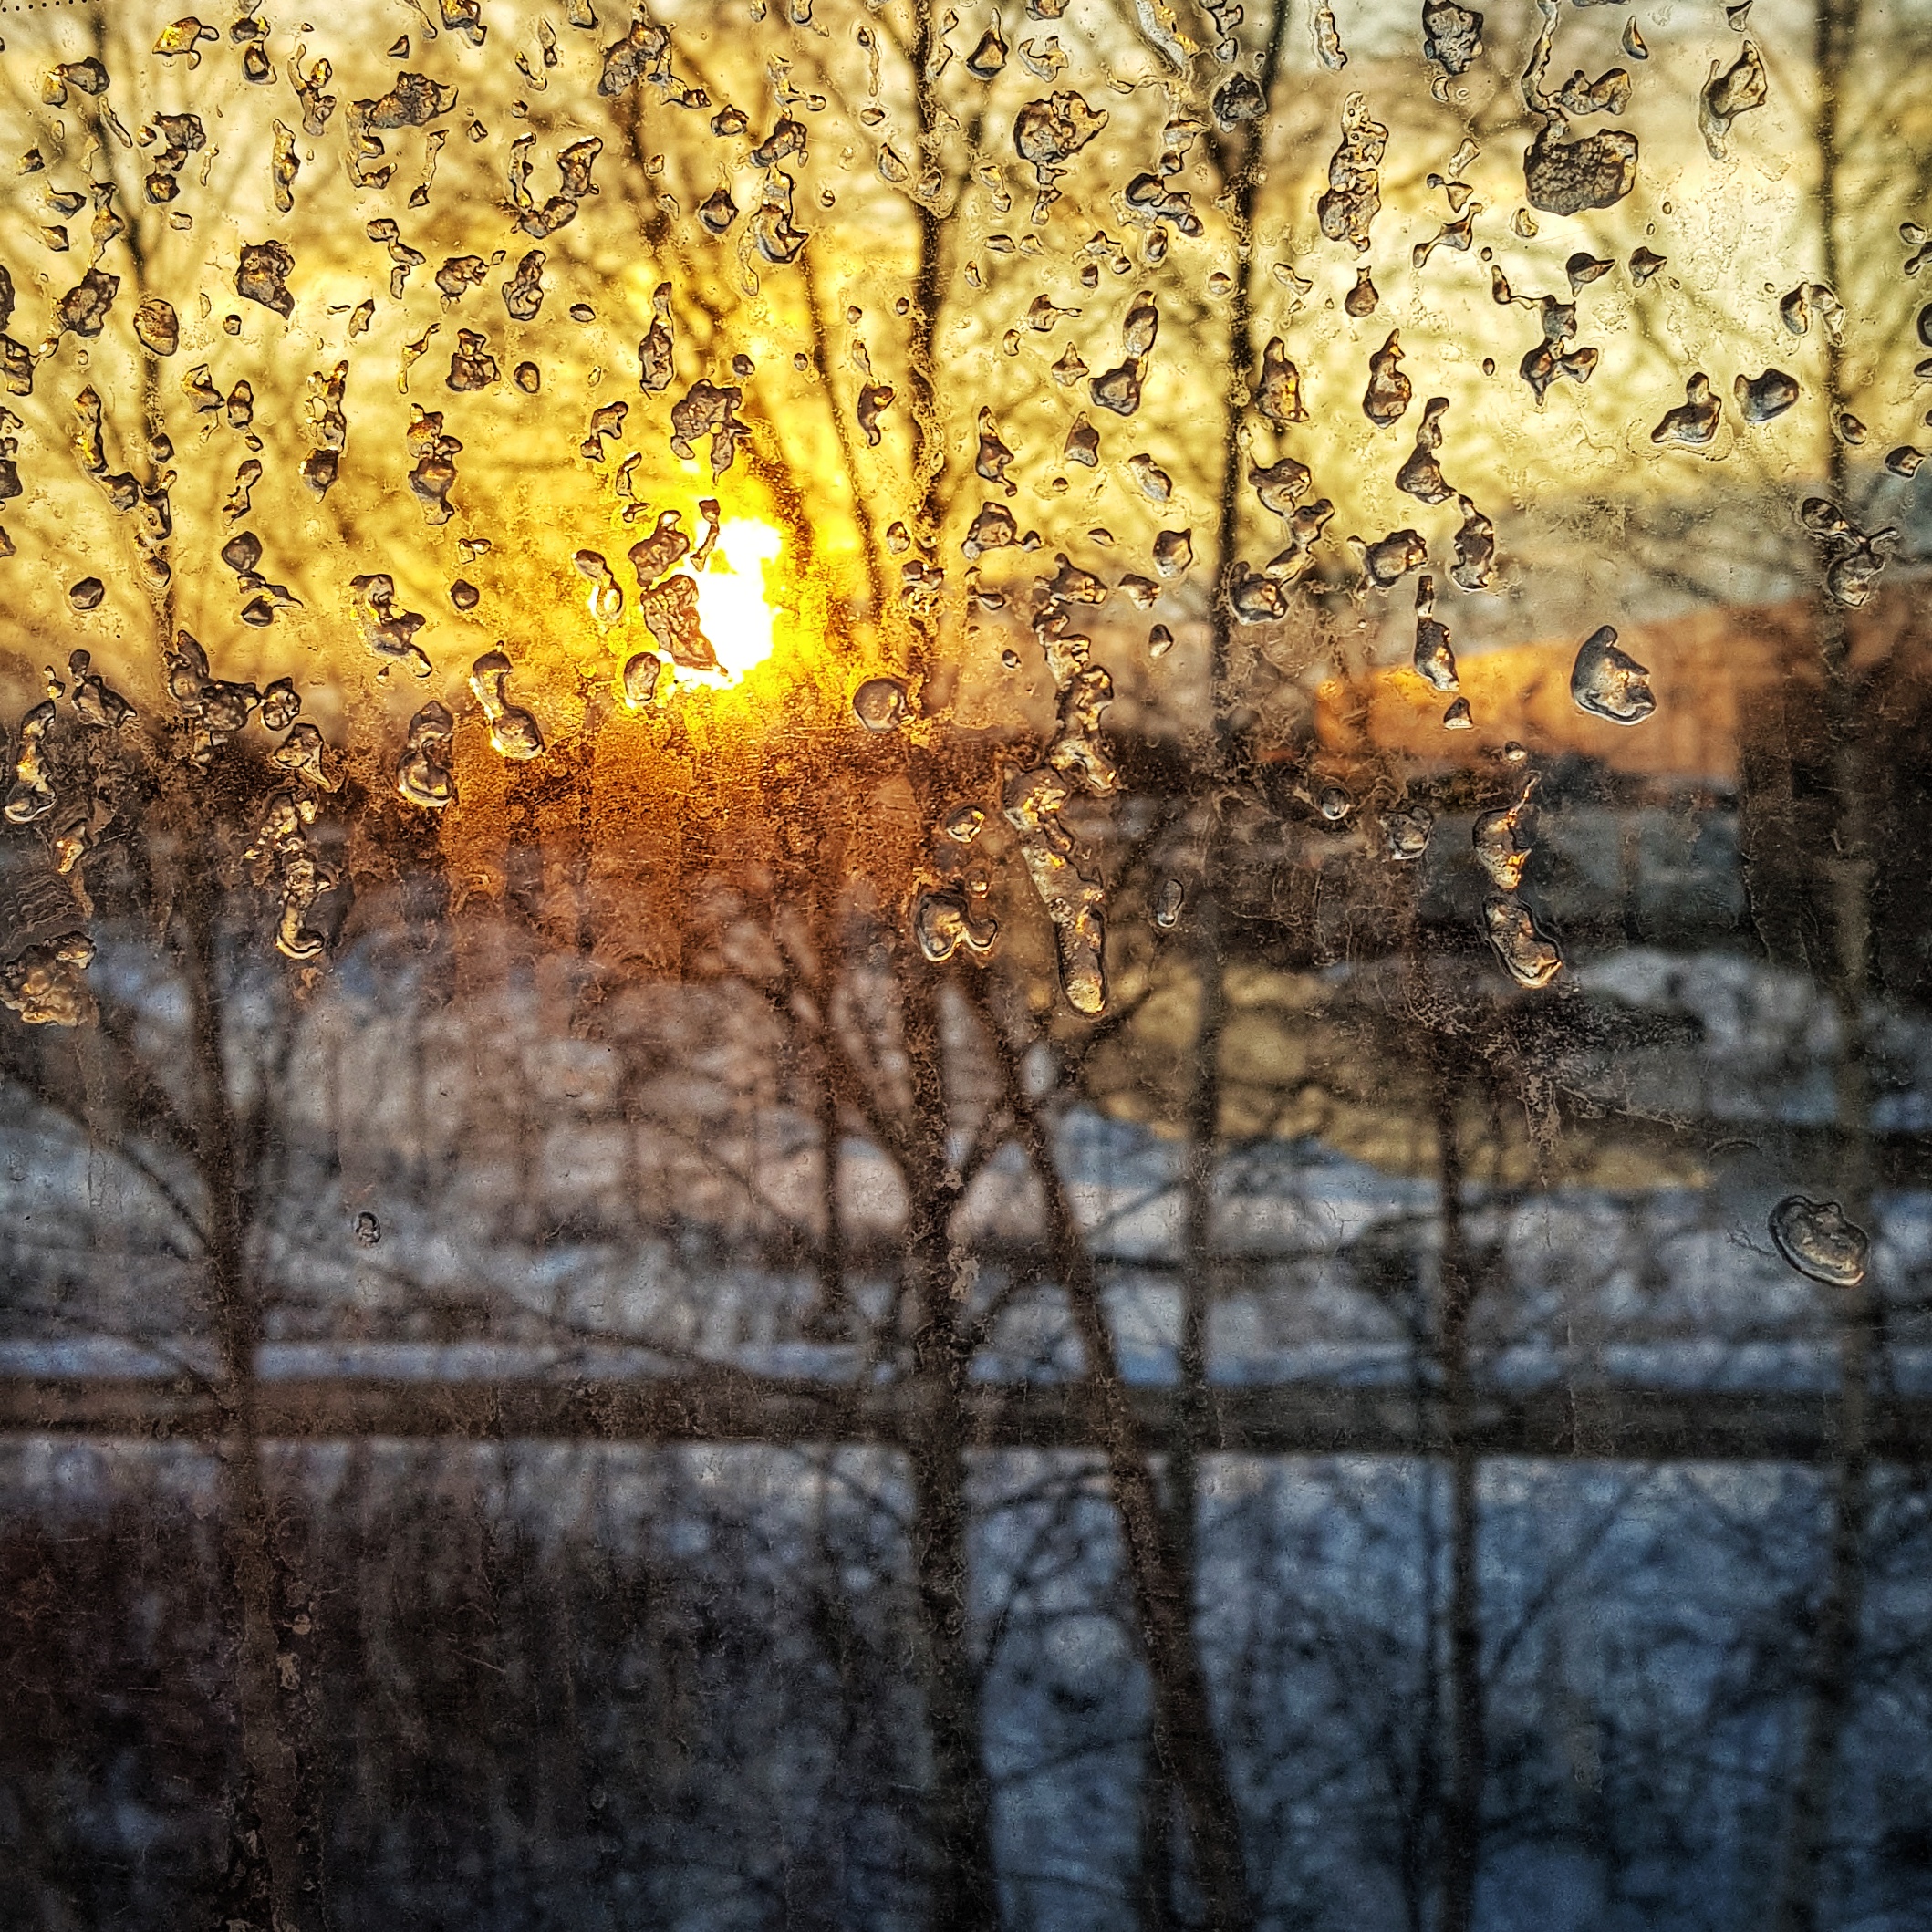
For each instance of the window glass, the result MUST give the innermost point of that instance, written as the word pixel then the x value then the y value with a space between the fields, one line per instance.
pixel 965 966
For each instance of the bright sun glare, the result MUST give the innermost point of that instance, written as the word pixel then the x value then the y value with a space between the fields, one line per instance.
pixel 732 604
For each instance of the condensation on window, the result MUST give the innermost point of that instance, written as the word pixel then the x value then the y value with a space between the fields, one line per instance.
pixel 966 965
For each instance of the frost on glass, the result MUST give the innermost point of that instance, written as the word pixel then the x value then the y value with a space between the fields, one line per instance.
pixel 965 966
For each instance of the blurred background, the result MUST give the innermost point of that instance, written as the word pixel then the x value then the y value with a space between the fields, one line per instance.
pixel 861 1069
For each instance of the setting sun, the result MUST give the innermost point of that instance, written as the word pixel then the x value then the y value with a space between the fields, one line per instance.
pixel 732 605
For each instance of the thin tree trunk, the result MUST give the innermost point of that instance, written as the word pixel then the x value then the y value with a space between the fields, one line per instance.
pixel 1241 163
pixel 1153 1881
pixel 1185 1732
pixel 965 1891
pixel 965 1896
pixel 1423 1812
pixel 1197 1301
pixel 833 1316
pixel 1833 1664
pixel 1462 1807
pixel 1832 1668
pixel 1197 1285
pixel 279 1853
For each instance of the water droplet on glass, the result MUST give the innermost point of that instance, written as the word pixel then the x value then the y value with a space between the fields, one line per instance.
pixel 1582 268
pixel 281 706
pixel 1281 485
pixel 718 210
pixel 422 774
pixel 390 632
pixel 943 921
pixel 1083 443
pixel 1608 682
pixel 44 983
pixel 880 705
pixel 156 327
pixel 1607 94
pixel 1118 388
pixel 993 529
pixel 1347 208
pixel 1475 549
pixel 512 731
pixel 1451 37
pixel 263 276
pixel 1761 398
pixel 1075 901
pixel 1853 557
pixel 96 704
pixel 1173 552
pixel 1695 420
pixel 1729 92
pixel 1278 395
pixel 989 57
pixel 1388 391
pixel 1530 956
pixel 642 676
pixel 1498 844
pixel 1392 557
pixel 32 797
pixel 1406 833
pixel 1549 361
pixel 1434 660
pixel 1817 1240
pixel 1421 475
pixel 1796 308
pixel 607 594
pixel 1328 49
pixel 1564 176
pixel 874 400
